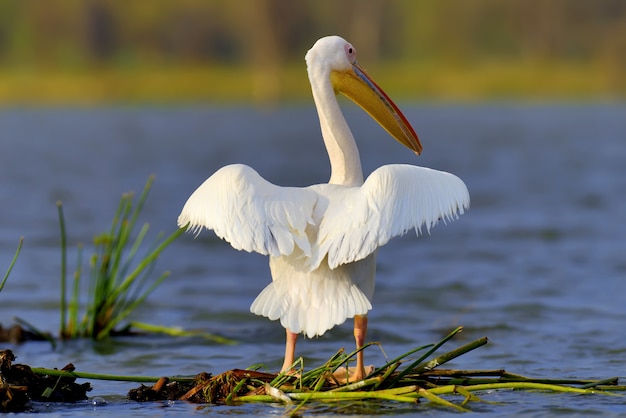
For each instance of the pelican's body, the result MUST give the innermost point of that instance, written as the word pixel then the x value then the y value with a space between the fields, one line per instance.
pixel 322 239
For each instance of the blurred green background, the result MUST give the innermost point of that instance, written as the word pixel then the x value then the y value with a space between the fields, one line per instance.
pixel 189 51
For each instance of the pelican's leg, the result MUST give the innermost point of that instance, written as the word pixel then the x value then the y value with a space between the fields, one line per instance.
pixel 360 331
pixel 290 350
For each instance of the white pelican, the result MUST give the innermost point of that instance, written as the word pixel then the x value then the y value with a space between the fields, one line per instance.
pixel 322 239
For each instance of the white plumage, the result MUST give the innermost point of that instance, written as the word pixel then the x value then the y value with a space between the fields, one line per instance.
pixel 322 239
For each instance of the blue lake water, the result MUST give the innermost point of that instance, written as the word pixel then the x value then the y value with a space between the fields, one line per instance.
pixel 538 264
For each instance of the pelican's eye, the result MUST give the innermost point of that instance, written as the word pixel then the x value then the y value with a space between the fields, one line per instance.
pixel 350 53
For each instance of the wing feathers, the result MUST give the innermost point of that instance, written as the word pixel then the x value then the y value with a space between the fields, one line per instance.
pixel 251 213
pixel 393 200
pixel 255 215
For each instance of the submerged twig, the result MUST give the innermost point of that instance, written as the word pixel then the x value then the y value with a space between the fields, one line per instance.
pixel 179 332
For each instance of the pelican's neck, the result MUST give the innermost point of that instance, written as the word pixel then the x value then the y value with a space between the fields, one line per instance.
pixel 345 163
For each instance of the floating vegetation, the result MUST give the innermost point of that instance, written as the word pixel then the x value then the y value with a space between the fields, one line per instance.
pixel 179 332
pixel 411 378
pixel 417 381
pixel 19 385
pixel 118 281
pixel 118 276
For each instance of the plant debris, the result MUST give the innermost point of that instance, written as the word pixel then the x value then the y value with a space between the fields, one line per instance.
pixel 162 390
pixel 19 385
pixel 395 381
pixel 223 387
pixel 410 378
pixel 17 334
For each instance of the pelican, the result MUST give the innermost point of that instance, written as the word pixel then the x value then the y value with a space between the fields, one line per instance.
pixel 322 240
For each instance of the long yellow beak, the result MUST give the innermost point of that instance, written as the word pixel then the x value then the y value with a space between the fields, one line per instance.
pixel 362 90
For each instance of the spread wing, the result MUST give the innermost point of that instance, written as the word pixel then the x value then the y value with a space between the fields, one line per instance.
pixel 251 213
pixel 393 200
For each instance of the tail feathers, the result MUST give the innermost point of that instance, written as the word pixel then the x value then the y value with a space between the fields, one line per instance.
pixel 309 307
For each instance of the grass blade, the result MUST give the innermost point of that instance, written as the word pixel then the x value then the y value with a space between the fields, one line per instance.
pixel 74 305
pixel 17 253
pixel 396 361
pixel 117 277
pixel 63 306
pixel 450 355
pixel 145 262
pixel 431 396
pixel 120 315
pixel 425 356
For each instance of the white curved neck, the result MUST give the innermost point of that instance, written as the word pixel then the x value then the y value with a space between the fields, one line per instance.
pixel 345 163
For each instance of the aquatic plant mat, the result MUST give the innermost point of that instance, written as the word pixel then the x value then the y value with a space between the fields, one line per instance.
pixel 19 384
pixel 411 378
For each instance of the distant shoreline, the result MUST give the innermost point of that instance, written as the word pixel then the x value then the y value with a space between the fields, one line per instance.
pixel 236 85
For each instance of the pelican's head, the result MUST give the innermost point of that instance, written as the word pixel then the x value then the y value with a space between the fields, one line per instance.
pixel 337 58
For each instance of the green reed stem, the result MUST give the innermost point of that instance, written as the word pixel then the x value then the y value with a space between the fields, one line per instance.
pixel 417 362
pixel 123 287
pixel 74 306
pixel 63 306
pixel 609 381
pixel 117 275
pixel 438 361
pixel 448 389
pixel 381 394
pixel 17 253
pixel 431 396
pixel 101 376
pixel 397 361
